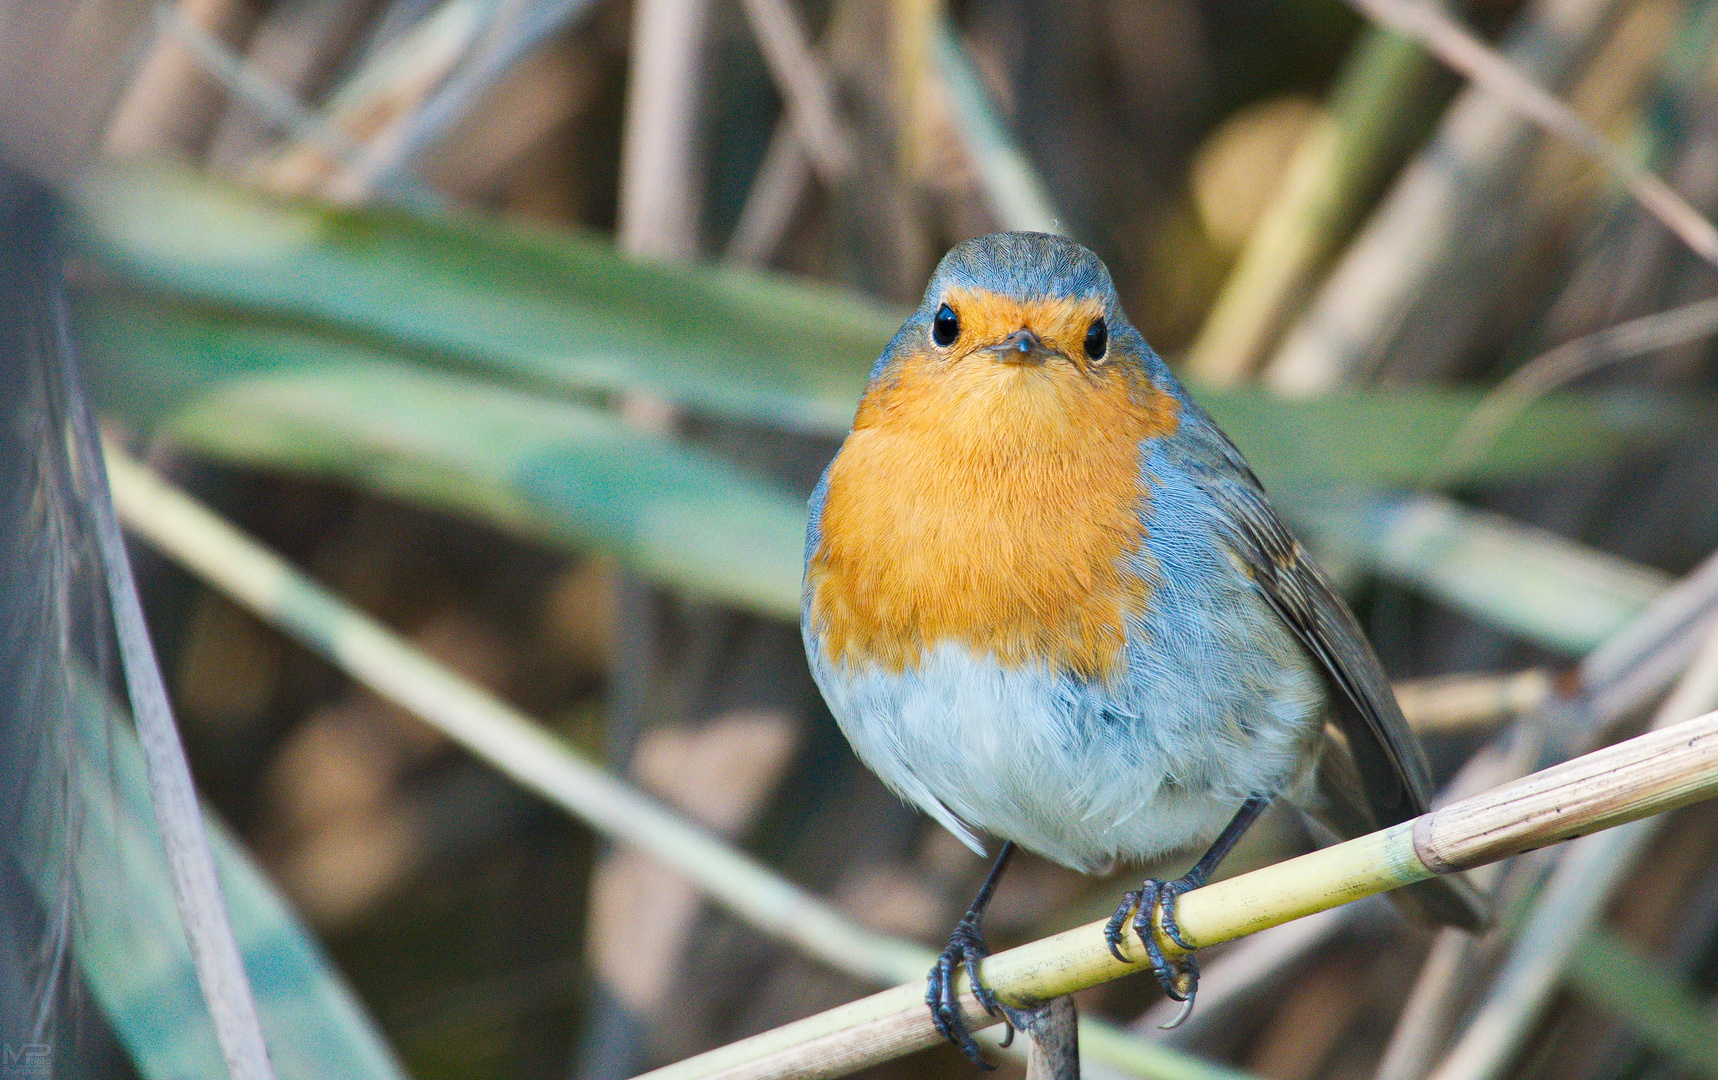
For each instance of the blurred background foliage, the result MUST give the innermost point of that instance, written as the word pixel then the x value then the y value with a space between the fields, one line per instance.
pixel 526 326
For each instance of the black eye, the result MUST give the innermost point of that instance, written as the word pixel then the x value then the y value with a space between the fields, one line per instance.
pixel 1097 339
pixel 945 327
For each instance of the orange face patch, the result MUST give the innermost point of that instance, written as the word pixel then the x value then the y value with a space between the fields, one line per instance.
pixel 990 504
pixel 986 318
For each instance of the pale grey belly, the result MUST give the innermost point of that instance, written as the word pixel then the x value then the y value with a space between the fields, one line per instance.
pixel 1083 774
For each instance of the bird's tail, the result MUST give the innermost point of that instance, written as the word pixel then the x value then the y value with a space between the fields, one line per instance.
pixel 1341 807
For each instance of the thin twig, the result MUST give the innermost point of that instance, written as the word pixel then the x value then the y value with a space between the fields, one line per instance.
pixel 804 82
pixel 385 166
pixel 254 89
pixel 780 186
pixel 1647 775
pixel 1567 362
pixel 1017 195
pixel 1461 50
pixel 215 951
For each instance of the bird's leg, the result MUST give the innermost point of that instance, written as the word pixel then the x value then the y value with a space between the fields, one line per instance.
pixel 966 948
pixel 1180 979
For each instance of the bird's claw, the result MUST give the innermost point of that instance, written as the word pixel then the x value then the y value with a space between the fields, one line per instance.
pixel 1150 906
pixel 966 948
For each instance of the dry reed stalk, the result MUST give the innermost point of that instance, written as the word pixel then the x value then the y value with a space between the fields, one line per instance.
pixel 372 102
pixel 1499 762
pixel 1479 148
pixel 811 137
pixel 1423 1024
pixel 387 163
pixel 508 136
pixel 660 166
pixel 1512 246
pixel 1643 659
pixel 1647 775
pixel 1634 665
pixel 254 91
pixel 1570 904
pixel 1017 197
pixel 804 83
pixel 1333 166
pixel 912 28
pixel 1466 53
pixel 295 48
pixel 1427 1013
pixel 782 181
pixel 172 105
pixel 1457 702
pixel 1562 365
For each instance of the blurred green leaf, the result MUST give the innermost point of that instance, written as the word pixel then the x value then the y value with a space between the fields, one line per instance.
pixel 131 945
pixel 549 309
pixel 1656 1003
pixel 1392 438
pixel 548 469
pixel 561 313
pixel 1530 582
pixel 298 401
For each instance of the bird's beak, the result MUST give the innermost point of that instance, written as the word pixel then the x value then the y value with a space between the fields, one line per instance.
pixel 1021 347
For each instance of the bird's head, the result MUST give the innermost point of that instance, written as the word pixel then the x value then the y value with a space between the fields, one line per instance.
pixel 1015 328
pixel 992 490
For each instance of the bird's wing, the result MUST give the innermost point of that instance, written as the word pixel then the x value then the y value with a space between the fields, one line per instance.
pixel 1394 779
pixel 1392 766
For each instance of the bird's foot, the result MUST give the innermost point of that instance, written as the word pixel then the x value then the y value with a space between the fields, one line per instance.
pixel 966 948
pixel 1151 905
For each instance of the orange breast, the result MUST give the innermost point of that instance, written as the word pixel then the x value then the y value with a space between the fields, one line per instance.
pixel 990 505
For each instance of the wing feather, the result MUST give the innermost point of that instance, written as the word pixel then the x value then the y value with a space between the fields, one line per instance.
pixel 1388 756
pixel 1394 778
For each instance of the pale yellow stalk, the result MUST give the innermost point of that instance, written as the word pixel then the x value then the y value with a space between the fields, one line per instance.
pixel 1647 775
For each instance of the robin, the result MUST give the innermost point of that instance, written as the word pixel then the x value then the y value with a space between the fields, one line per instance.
pixel 1047 599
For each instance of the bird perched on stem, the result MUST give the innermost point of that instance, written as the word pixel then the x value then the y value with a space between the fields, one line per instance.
pixel 1047 599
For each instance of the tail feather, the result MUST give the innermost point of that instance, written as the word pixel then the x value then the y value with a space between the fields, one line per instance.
pixel 1342 808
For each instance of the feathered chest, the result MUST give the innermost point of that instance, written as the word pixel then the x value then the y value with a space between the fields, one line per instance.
pixel 1003 511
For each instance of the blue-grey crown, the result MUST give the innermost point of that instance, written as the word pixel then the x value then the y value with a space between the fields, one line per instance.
pixel 1024 266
